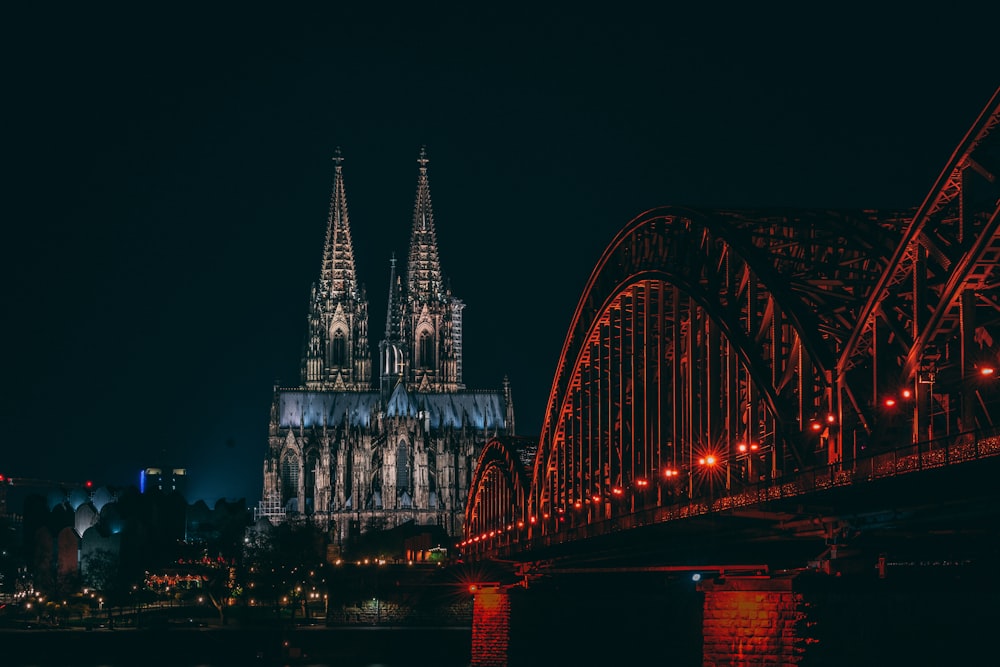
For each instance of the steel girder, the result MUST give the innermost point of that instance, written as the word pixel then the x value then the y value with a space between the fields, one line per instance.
pixel 699 330
pixel 932 317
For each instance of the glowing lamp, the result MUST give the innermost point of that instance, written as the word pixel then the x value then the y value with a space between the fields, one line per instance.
pixel 830 419
pixel 986 371
pixel 907 393
pixel 816 426
pixel 742 447
pixel 890 402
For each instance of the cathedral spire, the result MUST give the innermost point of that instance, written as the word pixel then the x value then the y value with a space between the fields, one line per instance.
pixel 392 354
pixel 337 353
pixel 338 273
pixel 423 267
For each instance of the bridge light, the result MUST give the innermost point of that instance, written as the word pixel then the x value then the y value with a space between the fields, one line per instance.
pixel 830 419
pixel 907 393
pixel 987 371
pixel 596 498
pixel 815 426
pixel 889 402
pixel 520 524
pixel 696 577
pixel 578 504
pixel 753 447
pixel 641 482
pixel 532 519
pixel 742 448
pixel 617 491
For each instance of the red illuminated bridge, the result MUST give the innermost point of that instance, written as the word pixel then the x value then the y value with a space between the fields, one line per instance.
pixel 755 386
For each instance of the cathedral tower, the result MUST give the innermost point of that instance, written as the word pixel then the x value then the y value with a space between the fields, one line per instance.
pixel 423 341
pixel 336 353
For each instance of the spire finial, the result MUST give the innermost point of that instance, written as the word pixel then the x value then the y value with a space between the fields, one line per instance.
pixel 422 160
pixel 338 157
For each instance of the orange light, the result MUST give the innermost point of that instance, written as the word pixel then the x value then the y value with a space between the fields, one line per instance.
pixel 830 419
pixel 641 482
pixel 616 491
pixel 701 461
pixel 597 498
pixel 986 370
pixel 890 402
pixel 532 519
pixel 710 460
pixel 520 524
pixel 742 447
pixel 753 447
pixel 578 504
pixel 816 426
pixel 907 393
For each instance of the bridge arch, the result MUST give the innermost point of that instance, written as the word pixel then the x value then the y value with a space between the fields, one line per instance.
pixel 698 331
pixel 498 492
pixel 765 338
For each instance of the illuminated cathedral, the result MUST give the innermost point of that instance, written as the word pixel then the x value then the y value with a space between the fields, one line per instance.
pixel 353 453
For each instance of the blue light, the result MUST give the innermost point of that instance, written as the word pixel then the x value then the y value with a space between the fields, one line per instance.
pixel 142 481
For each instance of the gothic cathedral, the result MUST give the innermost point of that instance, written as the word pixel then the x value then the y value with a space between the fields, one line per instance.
pixel 355 454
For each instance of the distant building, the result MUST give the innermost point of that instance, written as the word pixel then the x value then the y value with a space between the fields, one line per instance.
pixel 163 479
pixel 352 454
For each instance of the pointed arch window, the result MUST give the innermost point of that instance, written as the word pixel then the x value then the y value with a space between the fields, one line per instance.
pixel 432 478
pixel 338 348
pixel 404 479
pixel 290 476
pixel 426 350
pixel 311 467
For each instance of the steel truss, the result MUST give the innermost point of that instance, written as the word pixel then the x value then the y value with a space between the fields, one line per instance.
pixel 726 347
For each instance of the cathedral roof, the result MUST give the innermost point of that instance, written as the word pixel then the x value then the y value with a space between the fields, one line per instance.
pixel 476 409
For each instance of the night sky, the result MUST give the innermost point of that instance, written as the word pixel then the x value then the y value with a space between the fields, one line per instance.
pixel 168 175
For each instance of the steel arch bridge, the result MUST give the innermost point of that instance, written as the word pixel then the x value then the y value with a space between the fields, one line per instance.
pixel 730 348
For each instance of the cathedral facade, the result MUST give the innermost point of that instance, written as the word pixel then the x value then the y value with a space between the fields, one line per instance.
pixel 355 453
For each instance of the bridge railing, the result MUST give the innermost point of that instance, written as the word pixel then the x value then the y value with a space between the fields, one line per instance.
pixel 907 459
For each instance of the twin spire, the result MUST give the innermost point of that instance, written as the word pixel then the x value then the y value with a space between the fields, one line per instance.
pixel 423 321
pixel 338 274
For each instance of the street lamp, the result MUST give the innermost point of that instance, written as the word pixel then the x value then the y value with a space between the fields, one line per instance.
pixel 748 452
pixel 709 462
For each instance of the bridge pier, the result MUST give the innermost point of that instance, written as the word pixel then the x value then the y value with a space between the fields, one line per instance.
pixel 490 626
pixel 914 614
pixel 751 621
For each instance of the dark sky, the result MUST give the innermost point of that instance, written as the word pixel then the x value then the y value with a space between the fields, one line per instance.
pixel 168 177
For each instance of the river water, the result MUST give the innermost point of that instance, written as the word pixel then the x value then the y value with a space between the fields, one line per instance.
pixel 224 647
